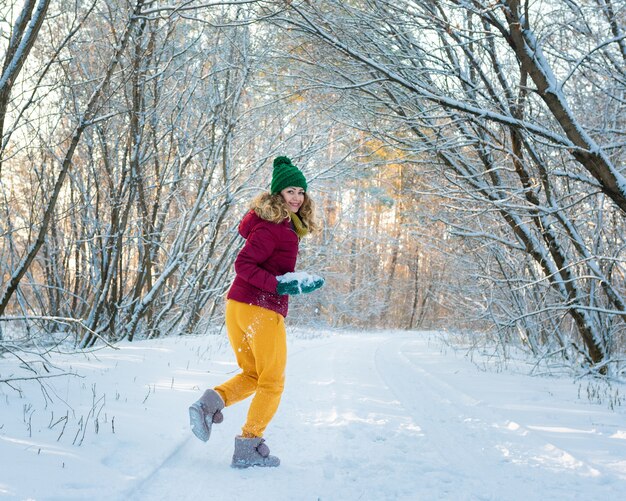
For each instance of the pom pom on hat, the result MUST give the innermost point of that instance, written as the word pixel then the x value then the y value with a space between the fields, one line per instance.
pixel 286 174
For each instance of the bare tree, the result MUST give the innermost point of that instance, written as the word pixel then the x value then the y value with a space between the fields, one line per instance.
pixel 83 122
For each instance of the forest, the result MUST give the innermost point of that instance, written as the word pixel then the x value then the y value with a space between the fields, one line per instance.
pixel 466 158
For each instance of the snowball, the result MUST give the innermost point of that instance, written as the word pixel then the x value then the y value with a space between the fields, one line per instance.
pixel 302 277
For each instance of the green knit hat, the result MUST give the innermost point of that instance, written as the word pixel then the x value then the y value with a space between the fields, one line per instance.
pixel 286 174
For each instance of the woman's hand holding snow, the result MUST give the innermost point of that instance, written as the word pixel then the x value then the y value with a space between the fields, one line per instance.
pixel 299 282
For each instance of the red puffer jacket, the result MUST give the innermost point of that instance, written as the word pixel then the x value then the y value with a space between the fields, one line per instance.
pixel 270 250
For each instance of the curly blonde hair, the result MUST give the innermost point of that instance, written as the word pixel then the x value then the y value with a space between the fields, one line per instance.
pixel 272 207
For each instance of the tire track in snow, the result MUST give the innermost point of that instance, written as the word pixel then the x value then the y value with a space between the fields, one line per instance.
pixel 489 416
pixel 140 485
pixel 450 461
pixel 366 438
pixel 497 456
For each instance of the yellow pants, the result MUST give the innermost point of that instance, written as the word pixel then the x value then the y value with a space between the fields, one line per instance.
pixel 258 338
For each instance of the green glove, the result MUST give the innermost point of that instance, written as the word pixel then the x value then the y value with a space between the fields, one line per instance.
pixel 298 283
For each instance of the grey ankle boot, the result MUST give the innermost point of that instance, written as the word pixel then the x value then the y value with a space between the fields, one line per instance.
pixel 203 413
pixel 252 452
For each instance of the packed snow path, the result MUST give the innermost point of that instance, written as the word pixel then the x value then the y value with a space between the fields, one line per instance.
pixel 372 417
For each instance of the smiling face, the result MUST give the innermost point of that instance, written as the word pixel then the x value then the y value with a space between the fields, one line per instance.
pixel 293 197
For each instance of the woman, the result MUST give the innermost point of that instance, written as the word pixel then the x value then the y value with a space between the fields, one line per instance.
pixel 256 307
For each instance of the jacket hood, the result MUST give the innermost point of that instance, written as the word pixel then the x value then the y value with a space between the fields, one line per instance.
pixel 249 221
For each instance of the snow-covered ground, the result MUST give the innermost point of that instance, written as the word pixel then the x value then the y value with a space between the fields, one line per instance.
pixel 369 416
